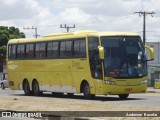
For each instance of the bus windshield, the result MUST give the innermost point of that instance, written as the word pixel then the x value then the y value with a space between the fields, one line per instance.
pixel 124 57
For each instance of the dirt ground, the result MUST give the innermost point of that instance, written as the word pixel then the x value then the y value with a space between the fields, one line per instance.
pixel 27 103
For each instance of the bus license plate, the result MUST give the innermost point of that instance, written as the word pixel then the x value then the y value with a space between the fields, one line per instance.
pixel 128 89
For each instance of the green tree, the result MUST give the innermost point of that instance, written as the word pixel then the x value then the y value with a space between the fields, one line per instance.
pixel 7 33
pixel 3 52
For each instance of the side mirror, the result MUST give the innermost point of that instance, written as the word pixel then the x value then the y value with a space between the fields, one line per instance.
pixel 101 52
pixel 151 52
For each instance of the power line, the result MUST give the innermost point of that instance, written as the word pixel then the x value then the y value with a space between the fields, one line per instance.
pixel 110 19
pixel 144 14
pixel 35 28
pixel 83 24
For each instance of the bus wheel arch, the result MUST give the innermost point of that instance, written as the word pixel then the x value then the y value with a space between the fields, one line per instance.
pixel 26 87
pixel 35 88
pixel 85 89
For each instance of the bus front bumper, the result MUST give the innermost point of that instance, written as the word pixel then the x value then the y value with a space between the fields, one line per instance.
pixel 115 89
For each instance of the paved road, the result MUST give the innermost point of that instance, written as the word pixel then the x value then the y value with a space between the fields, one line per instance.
pixel 48 102
pixel 146 100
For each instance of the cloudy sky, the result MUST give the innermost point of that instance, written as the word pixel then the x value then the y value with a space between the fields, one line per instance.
pixel 100 15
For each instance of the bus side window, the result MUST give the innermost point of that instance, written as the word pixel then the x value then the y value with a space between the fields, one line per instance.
pixel 30 50
pixel 95 62
pixel 62 49
pixel 40 50
pixel 66 49
pixel 79 49
pixel 52 49
pixel 20 51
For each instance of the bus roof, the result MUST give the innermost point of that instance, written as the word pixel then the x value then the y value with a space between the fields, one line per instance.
pixel 76 34
pixel 83 32
pixel 91 32
pixel 118 34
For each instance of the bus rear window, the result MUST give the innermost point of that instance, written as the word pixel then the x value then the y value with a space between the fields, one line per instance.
pixel 12 51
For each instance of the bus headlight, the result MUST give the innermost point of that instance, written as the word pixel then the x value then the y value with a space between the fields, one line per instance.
pixel 109 82
pixel 143 82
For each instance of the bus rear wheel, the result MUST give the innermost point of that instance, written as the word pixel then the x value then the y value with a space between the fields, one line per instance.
pixel 70 94
pixel 123 96
pixel 86 91
pixel 26 88
pixel 35 89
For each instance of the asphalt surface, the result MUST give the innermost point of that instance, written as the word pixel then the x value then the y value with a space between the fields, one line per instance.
pixel 149 99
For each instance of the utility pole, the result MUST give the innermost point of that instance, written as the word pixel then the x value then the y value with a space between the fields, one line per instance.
pixel 67 27
pixel 36 35
pixel 144 14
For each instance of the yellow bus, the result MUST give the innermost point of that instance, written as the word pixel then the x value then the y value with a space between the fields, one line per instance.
pixel 88 62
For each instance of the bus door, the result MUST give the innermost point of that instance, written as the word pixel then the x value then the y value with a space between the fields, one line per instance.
pixel 95 64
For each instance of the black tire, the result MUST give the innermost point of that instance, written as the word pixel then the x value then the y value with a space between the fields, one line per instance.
pixel 93 96
pixel 70 94
pixel 2 85
pixel 86 91
pixel 26 88
pixel 123 96
pixel 35 89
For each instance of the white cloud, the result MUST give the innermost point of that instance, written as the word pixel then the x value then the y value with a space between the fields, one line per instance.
pixel 151 5
pixel 18 9
pixel 74 15
pixel 10 2
pixel 101 15
pixel 103 7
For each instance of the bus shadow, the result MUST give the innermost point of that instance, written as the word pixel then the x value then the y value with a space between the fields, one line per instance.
pixel 81 97
pixel 99 98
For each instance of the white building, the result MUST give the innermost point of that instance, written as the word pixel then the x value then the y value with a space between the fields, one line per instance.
pixel 154 66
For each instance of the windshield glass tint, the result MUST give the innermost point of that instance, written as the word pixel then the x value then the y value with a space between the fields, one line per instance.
pixel 124 57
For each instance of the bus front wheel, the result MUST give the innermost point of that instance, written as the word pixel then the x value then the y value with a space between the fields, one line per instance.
pixel 35 89
pixel 26 88
pixel 123 96
pixel 86 91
